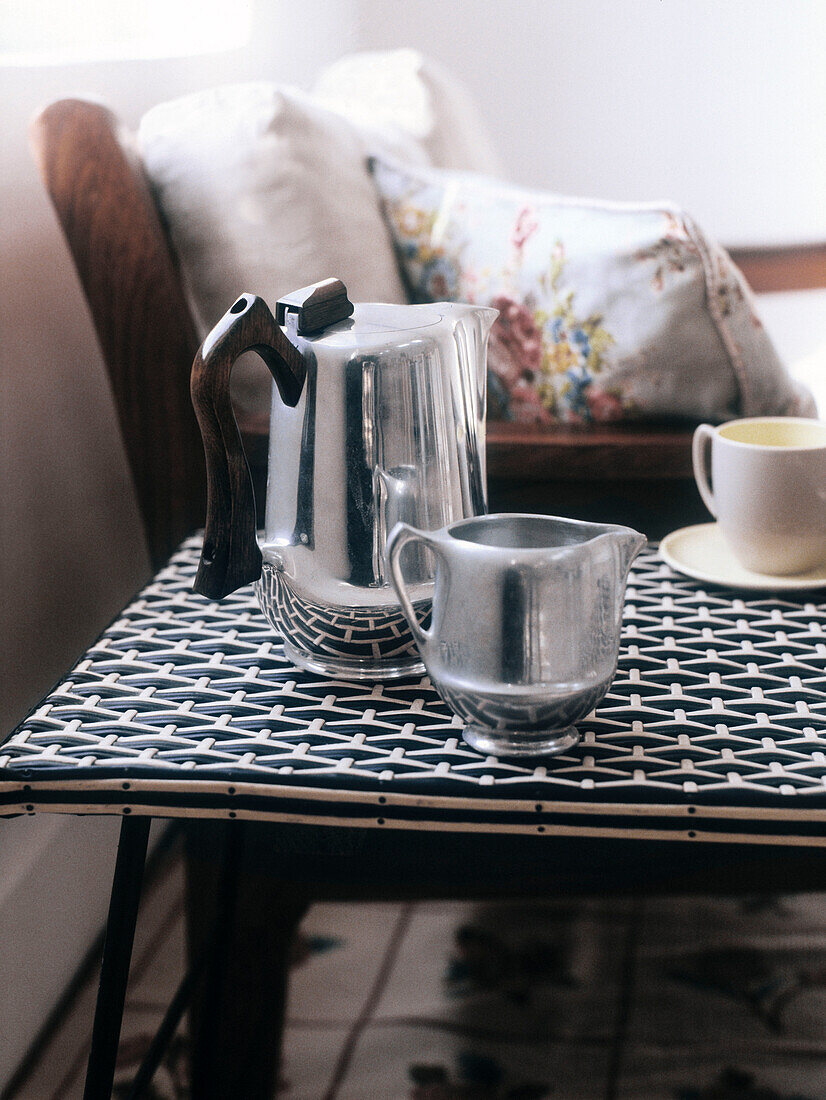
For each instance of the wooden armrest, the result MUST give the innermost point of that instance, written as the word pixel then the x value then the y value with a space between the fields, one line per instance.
pixel 590 452
pixel 783 267
pixel 119 246
pixel 599 452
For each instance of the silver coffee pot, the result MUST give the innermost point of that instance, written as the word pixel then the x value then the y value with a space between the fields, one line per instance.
pixel 378 417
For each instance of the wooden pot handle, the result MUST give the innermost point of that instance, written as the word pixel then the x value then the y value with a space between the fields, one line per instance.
pixel 230 556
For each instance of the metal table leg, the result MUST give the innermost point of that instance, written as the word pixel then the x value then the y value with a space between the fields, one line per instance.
pixel 117 954
pixel 212 960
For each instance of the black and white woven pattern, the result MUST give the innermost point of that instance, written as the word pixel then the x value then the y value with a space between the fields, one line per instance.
pixel 356 635
pixel 719 701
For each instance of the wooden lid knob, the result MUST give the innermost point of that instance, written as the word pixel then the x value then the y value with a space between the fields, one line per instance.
pixel 316 307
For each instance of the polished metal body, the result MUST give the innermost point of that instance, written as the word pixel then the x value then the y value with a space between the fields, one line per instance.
pixel 526 623
pixel 389 428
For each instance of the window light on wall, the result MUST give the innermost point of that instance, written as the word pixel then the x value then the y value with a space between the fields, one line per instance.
pixel 54 32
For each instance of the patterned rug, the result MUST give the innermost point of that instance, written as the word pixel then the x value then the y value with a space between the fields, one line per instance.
pixel 673 999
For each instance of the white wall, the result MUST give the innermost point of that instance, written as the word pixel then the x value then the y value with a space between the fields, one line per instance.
pixel 71 548
pixel 717 104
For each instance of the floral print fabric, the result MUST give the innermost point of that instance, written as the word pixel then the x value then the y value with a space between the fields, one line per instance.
pixel 606 310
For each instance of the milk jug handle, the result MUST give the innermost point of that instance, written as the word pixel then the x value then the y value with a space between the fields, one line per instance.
pixel 230 556
pixel 399 537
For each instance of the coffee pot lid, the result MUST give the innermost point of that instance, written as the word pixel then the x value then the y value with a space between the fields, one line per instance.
pixel 323 311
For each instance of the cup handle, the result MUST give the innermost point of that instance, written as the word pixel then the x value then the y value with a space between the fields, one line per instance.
pixel 399 537
pixel 700 447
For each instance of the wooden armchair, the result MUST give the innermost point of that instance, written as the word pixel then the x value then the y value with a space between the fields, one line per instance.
pixel 637 473
pixel 640 474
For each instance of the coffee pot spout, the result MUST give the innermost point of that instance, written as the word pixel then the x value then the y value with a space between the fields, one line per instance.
pixel 471 326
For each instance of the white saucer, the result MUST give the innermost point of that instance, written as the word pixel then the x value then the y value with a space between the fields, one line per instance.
pixel 702 552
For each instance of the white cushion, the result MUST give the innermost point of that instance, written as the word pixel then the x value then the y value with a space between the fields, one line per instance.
pixel 607 310
pixel 265 191
pixel 406 101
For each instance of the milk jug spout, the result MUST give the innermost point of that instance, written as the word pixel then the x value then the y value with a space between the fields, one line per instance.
pixel 628 544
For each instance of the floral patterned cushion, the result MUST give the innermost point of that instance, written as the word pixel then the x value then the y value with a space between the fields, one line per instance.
pixel 606 310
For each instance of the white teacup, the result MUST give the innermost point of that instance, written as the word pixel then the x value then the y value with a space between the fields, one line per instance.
pixel 767 490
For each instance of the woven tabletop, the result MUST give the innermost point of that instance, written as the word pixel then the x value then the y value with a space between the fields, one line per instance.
pixel 714 728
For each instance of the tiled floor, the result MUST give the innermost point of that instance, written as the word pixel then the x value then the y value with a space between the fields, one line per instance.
pixel 678 998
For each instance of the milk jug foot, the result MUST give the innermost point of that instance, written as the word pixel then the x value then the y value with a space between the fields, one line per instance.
pixel 518 743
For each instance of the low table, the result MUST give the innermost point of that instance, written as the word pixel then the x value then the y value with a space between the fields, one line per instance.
pixel 706 756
